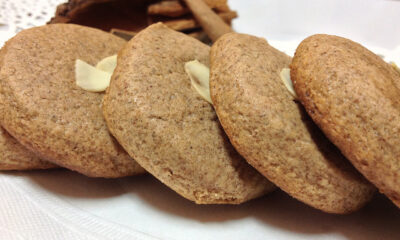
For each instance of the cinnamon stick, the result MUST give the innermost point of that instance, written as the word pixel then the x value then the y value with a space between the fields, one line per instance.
pixel 127 35
pixel 175 8
pixel 167 8
pixel 212 24
pixel 185 24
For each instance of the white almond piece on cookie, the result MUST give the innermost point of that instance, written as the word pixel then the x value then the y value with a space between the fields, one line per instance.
pixel 285 77
pixel 107 64
pixel 199 75
pixel 90 78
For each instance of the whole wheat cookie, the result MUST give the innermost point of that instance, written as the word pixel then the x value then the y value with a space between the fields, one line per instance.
pixel 354 97
pixel 159 118
pixel 43 108
pixel 14 156
pixel 272 131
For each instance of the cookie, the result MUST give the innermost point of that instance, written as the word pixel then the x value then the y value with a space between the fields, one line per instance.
pixel 354 97
pixel 43 108
pixel 13 156
pixel 272 131
pixel 162 122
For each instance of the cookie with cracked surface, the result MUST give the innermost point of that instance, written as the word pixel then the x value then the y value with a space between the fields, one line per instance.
pixel 273 132
pixel 43 108
pixel 353 95
pixel 14 156
pixel 159 118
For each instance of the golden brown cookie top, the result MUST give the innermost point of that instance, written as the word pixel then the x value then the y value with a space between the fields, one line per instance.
pixel 158 117
pixel 353 95
pixel 13 156
pixel 273 132
pixel 41 105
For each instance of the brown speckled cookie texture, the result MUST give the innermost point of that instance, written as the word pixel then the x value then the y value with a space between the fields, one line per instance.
pixel 41 106
pixel 273 133
pixel 156 115
pixel 354 97
pixel 14 156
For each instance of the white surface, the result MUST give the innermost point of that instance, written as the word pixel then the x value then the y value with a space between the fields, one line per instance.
pixel 59 204
pixel 21 14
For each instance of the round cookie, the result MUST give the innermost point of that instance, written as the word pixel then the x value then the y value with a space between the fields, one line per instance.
pixel 163 123
pixel 13 156
pixel 43 108
pixel 272 131
pixel 354 97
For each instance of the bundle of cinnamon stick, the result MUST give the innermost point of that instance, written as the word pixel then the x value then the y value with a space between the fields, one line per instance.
pixel 178 16
pixel 126 17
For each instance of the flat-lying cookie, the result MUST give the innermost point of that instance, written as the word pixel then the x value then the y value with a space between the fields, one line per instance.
pixel 273 133
pixel 13 156
pixel 162 122
pixel 41 106
pixel 354 97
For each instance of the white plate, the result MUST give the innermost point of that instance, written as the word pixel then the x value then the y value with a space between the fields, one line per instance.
pixel 59 204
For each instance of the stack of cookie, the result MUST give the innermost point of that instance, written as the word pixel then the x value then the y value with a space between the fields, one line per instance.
pixel 251 133
pixel 349 92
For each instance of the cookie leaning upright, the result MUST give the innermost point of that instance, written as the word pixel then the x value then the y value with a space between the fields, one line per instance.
pixel 354 97
pixel 13 156
pixel 41 106
pixel 272 131
pixel 162 122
